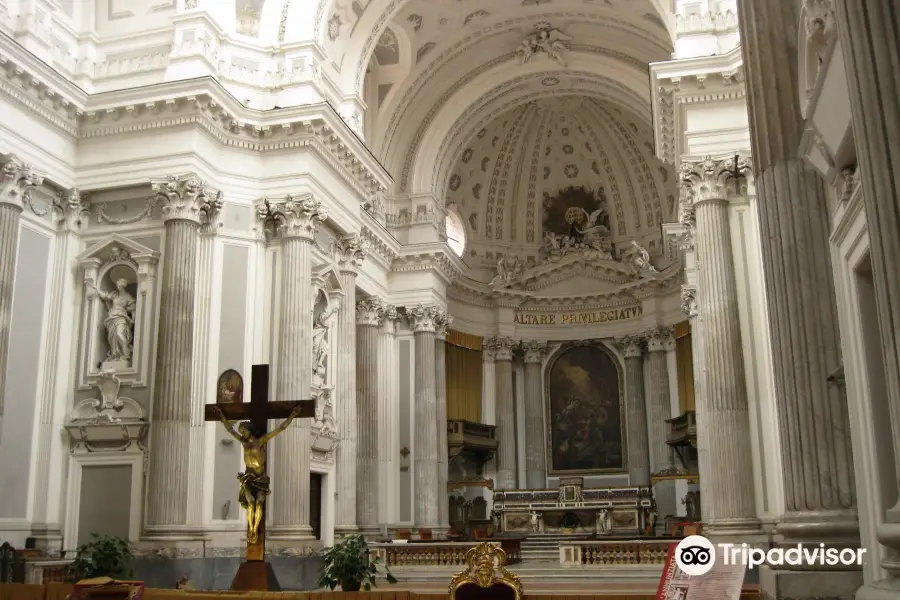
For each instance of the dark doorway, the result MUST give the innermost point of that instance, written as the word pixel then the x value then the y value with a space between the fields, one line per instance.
pixel 315 504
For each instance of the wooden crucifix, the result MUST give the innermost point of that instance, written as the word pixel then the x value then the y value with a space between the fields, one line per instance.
pixel 254 574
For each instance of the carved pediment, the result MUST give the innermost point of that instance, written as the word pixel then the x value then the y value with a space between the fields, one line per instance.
pixel 326 278
pixel 115 247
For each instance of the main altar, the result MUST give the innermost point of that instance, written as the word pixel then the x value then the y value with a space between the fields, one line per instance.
pixel 613 511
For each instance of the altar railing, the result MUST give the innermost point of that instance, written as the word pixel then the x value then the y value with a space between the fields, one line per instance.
pixel 436 554
pixel 614 552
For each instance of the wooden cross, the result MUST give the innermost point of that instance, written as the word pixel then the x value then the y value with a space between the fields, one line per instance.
pixel 258 412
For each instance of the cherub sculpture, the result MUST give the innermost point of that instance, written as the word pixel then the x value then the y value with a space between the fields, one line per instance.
pixel 545 39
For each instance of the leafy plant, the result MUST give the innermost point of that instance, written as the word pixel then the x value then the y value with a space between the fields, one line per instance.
pixel 103 556
pixel 350 564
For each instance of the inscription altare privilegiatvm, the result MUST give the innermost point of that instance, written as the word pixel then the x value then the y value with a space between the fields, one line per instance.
pixel 579 318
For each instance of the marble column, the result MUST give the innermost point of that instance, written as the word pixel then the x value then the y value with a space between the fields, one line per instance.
pixel 690 309
pixel 869 32
pixel 349 253
pixel 637 448
pixel 440 384
pixel 388 420
pixel 659 408
pixel 535 449
pixel 185 202
pixel 795 225
pixel 507 468
pixel 724 415
pixel 488 385
pixel 369 314
pixel 423 321
pixel 296 221
pixel 18 181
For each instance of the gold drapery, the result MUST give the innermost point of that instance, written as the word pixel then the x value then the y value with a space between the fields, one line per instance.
pixel 684 360
pixel 464 372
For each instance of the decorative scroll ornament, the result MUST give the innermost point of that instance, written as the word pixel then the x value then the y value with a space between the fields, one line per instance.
pixel 632 346
pixel 660 339
pixel 370 311
pixel 72 209
pixel 534 351
pixel 17 183
pixel 350 251
pixel 109 423
pixel 713 179
pixel 423 319
pixel 689 301
pixel 292 217
pixel 546 39
pixel 187 199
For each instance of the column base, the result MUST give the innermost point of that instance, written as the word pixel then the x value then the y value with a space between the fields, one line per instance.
pixel 811 585
pixel 166 543
pixel 47 538
pixel 837 529
pixel 734 529
pixel 290 533
pixel 886 589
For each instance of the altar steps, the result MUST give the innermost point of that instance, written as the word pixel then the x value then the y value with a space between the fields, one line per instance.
pixel 544 547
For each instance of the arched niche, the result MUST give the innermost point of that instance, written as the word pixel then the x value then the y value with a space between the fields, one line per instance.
pixel 584 403
pixel 103 266
pixel 328 293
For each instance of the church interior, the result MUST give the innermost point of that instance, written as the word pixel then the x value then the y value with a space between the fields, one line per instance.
pixel 572 278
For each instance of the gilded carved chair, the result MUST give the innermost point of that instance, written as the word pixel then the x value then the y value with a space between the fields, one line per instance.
pixel 485 576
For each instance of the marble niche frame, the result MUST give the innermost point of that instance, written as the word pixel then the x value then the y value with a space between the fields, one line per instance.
pixel 324 438
pixel 94 264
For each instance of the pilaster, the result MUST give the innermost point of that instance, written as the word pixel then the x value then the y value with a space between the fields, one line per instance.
pixel 349 253
pixel 488 385
pixel 424 320
pixel 506 418
pixel 638 450
pixel 186 203
pixel 388 420
pixel 535 449
pixel 660 341
pixel 369 314
pixel 440 379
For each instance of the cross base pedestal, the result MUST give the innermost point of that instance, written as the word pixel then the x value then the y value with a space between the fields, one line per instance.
pixel 255 576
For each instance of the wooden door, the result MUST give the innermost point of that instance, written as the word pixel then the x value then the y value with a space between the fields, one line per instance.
pixel 315 504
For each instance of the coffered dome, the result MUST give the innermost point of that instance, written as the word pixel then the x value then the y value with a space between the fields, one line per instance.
pixel 528 155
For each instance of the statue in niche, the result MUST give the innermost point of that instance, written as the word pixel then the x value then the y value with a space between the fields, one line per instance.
pixel 320 343
pixel 604 518
pixel 119 321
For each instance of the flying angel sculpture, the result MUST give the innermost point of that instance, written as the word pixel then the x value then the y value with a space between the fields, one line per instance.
pixel 545 39
pixel 591 226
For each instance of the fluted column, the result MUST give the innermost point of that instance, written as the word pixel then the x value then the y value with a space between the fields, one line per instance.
pixel 725 411
pixel 369 313
pixel 535 449
pixel 349 253
pixel 296 221
pixel 440 384
pixel 659 408
pixel 819 484
pixel 488 384
pixel 423 321
pixel 507 469
pixel 388 420
pixel 690 308
pixel 18 180
pixel 637 449
pixel 869 32
pixel 185 202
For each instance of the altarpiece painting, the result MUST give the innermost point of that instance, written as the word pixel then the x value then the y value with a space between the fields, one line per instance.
pixel 584 404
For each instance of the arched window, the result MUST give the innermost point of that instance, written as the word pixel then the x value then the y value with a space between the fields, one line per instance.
pixel 456 233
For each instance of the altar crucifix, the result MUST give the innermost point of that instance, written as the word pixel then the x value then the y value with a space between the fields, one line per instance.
pixel 255 574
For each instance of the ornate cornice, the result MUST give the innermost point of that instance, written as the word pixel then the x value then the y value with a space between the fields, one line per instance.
pixel 187 198
pixel 370 311
pixel 292 217
pixel 350 251
pixel 660 339
pixel 437 260
pixel 17 183
pixel 711 178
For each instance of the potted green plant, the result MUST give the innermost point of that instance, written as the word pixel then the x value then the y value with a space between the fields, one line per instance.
pixel 103 556
pixel 350 564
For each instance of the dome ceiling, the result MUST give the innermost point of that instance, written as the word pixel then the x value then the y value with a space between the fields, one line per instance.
pixel 526 156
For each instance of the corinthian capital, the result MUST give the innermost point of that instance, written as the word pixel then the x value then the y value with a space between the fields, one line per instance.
pixel 187 198
pixel 292 217
pixel 689 301
pixel 632 346
pixel 370 311
pixel 350 251
pixel 534 351
pixel 660 339
pixel 72 209
pixel 713 179
pixel 444 320
pixel 503 347
pixel 18 181
pixel 423 319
